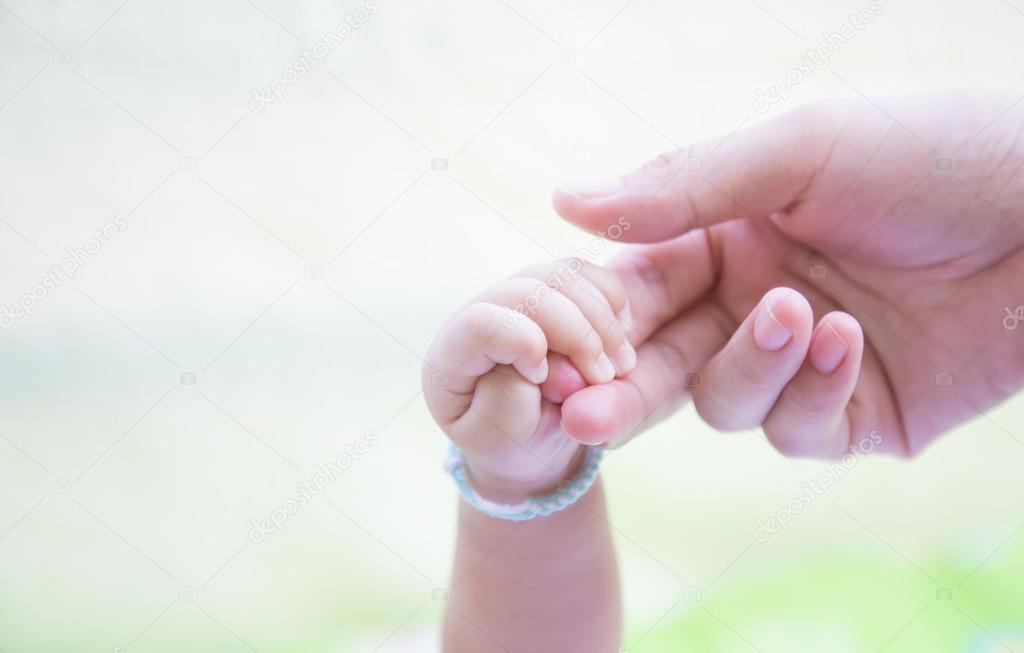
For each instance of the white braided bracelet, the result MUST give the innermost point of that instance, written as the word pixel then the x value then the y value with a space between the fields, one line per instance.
pixel 568 493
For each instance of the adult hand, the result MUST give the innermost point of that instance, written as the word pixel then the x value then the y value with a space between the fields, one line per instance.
pixel 839 273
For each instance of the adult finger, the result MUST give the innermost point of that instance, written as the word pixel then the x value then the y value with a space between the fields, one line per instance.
pixel 741 384
pixel 611 411
pixel 811 416
pixel 754 172
pixel 662 280
pixel 563 379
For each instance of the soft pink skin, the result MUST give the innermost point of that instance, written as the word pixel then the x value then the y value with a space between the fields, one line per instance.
pixel 496 374
pixel 563 380
pixel 858 274
pixel 494 380
pixel 852 210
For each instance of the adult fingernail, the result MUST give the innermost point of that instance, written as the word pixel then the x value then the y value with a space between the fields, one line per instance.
pixel 619 442
pixel 624 358
pixel 591 188
pixel 769 333
pixel 829 350
pixel 604 369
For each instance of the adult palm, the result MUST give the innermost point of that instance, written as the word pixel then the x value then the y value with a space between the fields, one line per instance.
pixel 901 228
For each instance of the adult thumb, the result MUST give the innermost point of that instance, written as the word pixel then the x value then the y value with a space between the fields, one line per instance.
pixel 750 173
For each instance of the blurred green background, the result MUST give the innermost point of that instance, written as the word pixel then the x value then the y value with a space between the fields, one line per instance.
pixel 281 271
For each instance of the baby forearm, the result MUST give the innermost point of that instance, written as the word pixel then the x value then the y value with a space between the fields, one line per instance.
pixel 549 584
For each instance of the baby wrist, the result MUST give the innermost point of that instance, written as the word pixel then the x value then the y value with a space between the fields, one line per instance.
pixel 504 489
pixel 515 501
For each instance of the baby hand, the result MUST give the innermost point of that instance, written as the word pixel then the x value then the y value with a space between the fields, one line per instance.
pixel 496 374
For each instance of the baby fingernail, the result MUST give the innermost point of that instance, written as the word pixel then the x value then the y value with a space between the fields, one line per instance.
pixel 625 358
pixel 541 373
pixel 769 333
pixel 604 368
pixel 829 350
pixel 590 188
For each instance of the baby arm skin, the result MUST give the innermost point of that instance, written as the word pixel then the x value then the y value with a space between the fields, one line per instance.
pixel 550 584
pixel 494 381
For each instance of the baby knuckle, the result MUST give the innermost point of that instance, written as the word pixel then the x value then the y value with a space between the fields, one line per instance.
pixel 484 320
pixel 526 295
pixel 610 285
pixel 612 329
pixel 565 272
pixel 614 284
pixel 590 343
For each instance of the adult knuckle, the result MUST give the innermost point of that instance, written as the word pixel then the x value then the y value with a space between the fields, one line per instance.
pixel 787 442
pixel 808 403
pixel 755 376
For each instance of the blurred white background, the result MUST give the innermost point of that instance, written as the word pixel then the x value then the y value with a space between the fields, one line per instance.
pixel 280 272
